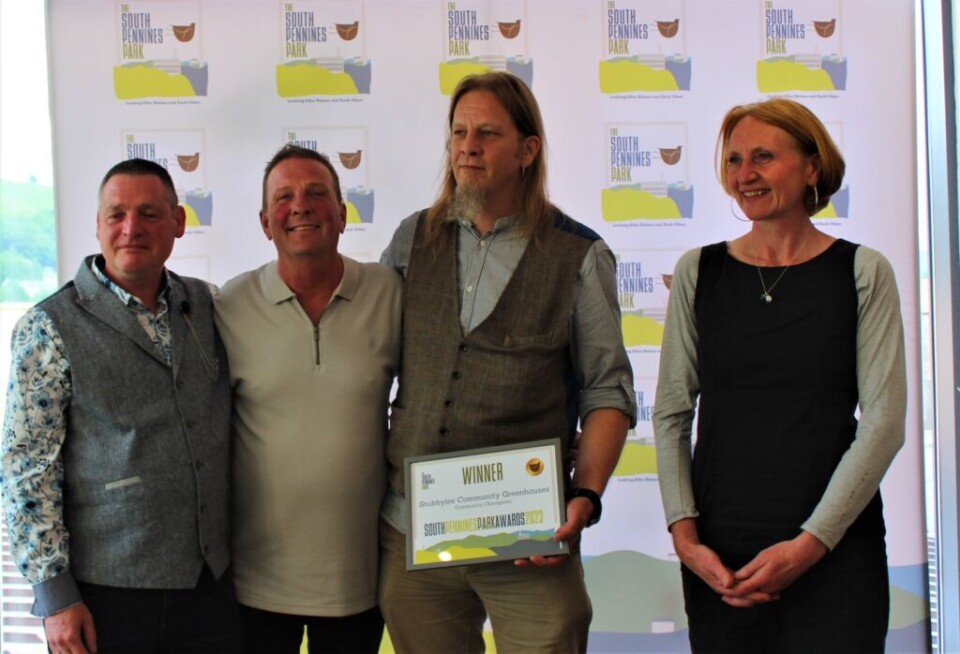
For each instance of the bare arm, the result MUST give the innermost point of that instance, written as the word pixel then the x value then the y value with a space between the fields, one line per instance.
pixel 604 432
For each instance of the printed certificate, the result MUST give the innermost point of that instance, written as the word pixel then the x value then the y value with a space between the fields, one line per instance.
pixel 483 505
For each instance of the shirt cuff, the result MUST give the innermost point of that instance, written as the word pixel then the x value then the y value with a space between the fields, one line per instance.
pixel 830 540
pixel 395 511
pixel 620 397
pixel 55 595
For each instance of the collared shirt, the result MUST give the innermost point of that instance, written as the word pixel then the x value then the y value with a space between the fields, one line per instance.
pixel 35 426
pixel 485 264
pixel 310 425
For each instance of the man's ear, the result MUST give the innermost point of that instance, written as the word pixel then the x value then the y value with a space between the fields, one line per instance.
pixel 180 215
pixel 529 149
pixel 265 225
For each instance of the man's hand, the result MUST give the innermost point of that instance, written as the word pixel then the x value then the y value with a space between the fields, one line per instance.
pixel 598 448
pixel 775 568
pixel 71 631
pixel 579 510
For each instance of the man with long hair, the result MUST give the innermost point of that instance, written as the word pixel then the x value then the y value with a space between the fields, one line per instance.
pixel 511 333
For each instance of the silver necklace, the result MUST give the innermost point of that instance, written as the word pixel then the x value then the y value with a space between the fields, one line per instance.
pixel 766 295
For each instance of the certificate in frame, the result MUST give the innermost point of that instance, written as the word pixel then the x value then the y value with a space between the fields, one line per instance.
pixel 484 505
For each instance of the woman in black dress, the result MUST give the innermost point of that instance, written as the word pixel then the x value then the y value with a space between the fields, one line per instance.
pixel 777 338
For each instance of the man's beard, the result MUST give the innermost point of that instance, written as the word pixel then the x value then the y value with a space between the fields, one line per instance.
pixel 466 204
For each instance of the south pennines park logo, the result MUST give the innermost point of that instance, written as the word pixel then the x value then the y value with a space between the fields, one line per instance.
pixel 643 287
pixel 160 52
pixel 484 36
pixel 323 49
pixel 802 47
pixel 183 154
pixel 349 151
pixel 645 47
pixel 647 174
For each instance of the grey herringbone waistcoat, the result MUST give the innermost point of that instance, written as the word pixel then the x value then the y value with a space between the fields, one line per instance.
pixel 146 456
pixel 508 381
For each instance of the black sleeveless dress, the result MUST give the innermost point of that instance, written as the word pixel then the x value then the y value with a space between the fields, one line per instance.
pixel 778 392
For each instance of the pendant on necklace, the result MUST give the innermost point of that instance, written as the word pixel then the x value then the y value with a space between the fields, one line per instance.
pixel 766 297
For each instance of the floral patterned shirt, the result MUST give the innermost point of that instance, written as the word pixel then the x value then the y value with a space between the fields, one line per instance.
pixel 35 426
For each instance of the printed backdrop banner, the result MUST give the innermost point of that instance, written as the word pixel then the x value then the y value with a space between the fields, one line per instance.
pixel 632 93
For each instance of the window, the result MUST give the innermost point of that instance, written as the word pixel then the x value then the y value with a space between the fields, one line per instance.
pixel 28 252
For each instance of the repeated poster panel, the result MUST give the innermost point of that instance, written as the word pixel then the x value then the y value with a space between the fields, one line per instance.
pixel 632 93
pixel 484 35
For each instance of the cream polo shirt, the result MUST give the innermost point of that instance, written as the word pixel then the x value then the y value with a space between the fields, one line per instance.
pixel 311 424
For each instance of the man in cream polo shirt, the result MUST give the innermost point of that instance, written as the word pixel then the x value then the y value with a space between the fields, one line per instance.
pixel 313 340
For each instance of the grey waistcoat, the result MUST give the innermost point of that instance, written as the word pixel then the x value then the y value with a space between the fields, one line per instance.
pixel 508 381
pixel 146 455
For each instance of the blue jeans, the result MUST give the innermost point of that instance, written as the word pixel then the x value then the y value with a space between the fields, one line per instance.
pixel 201 620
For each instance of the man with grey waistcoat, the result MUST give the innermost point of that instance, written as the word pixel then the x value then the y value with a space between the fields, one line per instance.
pixel 115 450
pixel 511 333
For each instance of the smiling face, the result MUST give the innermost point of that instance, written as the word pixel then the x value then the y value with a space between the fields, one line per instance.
pixel 767 173
pixel 136 228
pixel 302 216
pixel 487 152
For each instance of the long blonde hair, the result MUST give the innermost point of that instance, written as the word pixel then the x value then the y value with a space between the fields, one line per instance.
pixel 536 212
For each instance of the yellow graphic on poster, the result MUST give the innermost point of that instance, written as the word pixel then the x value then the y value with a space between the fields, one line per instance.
pixel 644 277
pixel 640 330
pixel 644 46
pixel 802 47
pixel 647 173
pixel 348 149
pixel 323 49
pixel 482 36
pixel 838 208
pixel 183 153
pixel 639 456
pixel 160 52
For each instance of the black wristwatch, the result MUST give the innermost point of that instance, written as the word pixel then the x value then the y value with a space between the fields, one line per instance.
pixel 594 500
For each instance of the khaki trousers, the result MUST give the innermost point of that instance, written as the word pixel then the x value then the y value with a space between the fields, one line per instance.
pixel 443 609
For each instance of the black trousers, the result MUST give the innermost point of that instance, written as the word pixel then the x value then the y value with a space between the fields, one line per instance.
pixel 281 633
pixel 201 620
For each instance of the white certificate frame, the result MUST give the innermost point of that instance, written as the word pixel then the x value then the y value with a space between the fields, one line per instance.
pixel 484 505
